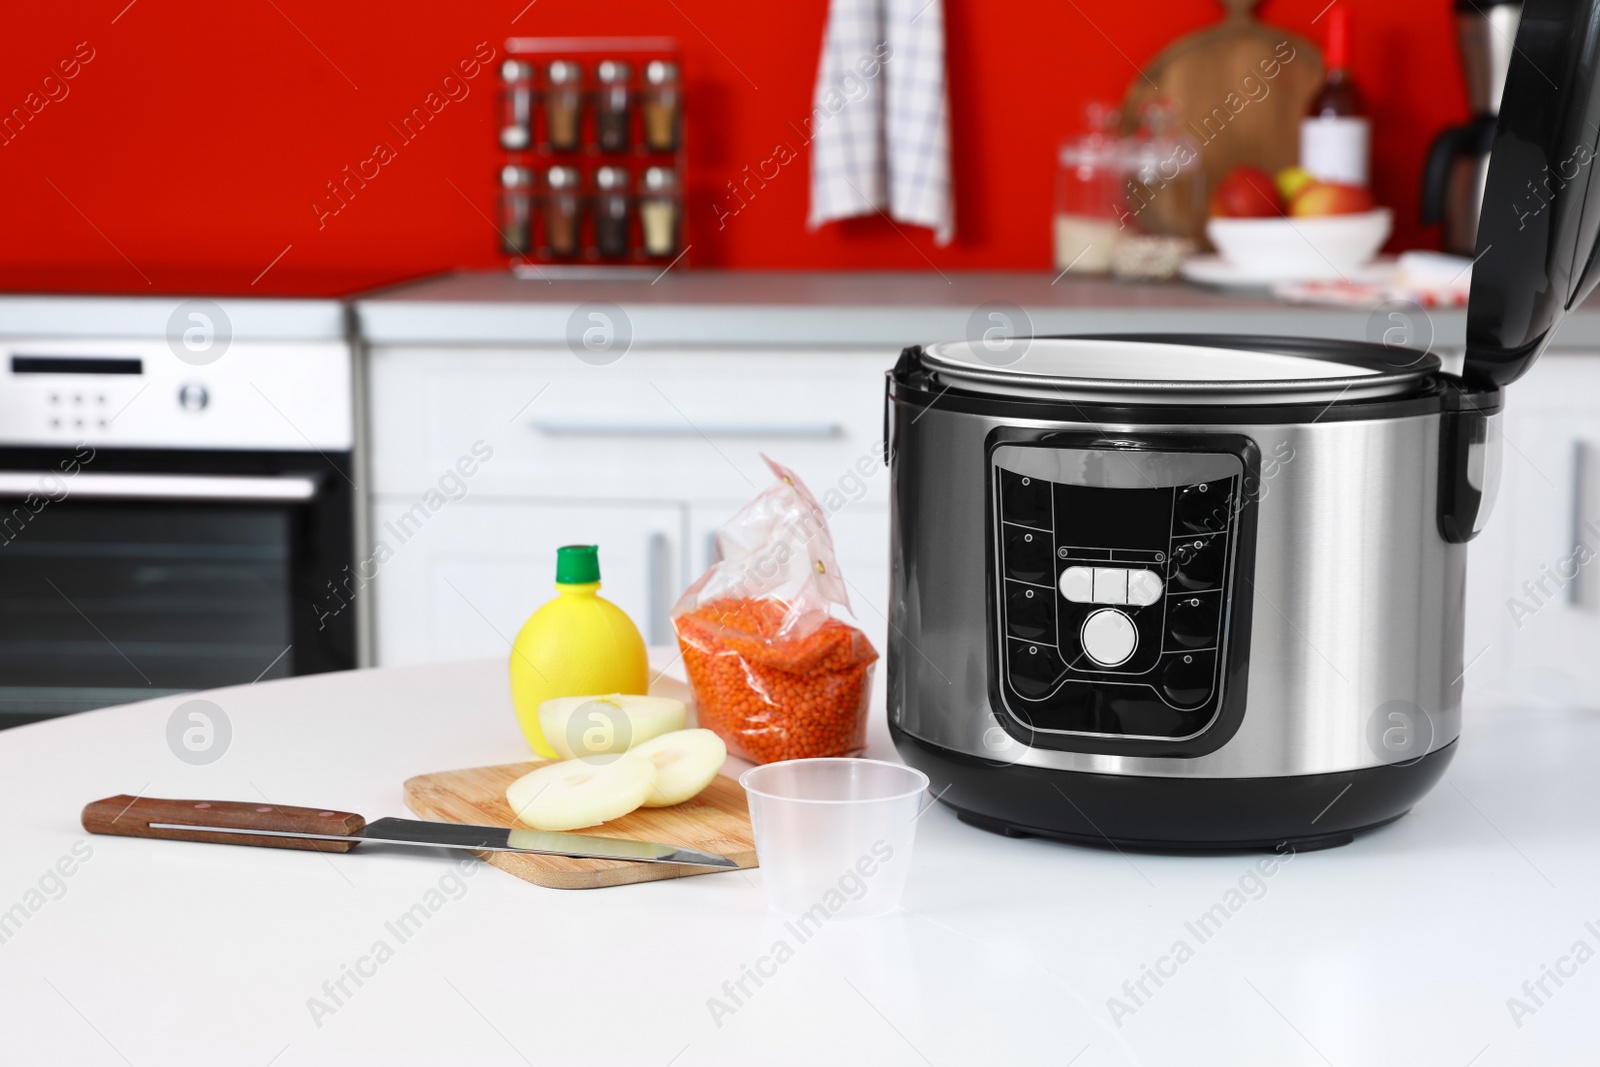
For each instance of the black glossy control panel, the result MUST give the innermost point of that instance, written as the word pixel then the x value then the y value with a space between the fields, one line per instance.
pixel 1112 602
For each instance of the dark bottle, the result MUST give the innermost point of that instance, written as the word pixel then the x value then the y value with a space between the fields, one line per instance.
pixel 561 211
pixel 516 106
pixel 1335 135
pixel 563 105
pixel 662 107
pixel 516 210
pixel 611 112
pixel 612 213
pixel 660 211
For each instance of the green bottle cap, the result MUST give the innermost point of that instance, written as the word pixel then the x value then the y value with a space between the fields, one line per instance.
pixel 577 564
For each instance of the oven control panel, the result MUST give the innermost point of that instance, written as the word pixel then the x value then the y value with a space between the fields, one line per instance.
pixel 1114 574
pixel 278 396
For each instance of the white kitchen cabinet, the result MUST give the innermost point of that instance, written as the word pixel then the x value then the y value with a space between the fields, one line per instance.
pixel 656 425
pixel 462 584
pixel 643 457
pixel 1534 574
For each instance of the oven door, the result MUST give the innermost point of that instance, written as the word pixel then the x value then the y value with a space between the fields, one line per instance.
pixel 133 573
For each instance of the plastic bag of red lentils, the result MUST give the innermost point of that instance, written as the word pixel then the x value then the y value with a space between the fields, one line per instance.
pixel 775 675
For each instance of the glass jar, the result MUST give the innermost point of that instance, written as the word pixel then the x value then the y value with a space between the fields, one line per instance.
pixel 611 113
pixel 660 211
pixel 1089 197
pixel 661 106
pixel 516 210
pixel 1164 188
pixel 563 105
pixel 561 204
pixel 516 106
pixel 611 213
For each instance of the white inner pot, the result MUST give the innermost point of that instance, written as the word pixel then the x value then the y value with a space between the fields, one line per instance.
pixel 1150 371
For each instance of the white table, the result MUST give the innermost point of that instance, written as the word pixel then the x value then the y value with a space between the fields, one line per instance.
pixel 1401 948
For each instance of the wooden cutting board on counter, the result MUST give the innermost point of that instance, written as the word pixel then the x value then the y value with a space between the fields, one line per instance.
pixel 1224 100
pixel 718 820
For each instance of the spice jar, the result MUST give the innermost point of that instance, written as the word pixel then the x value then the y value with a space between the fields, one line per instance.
pixel 611 212
pixel 516 210
pixel 561 211
pixel 1089 197
pixel 516 106
pixel 659 211
pixel 660 106
pixel 563 98
pixel 611 106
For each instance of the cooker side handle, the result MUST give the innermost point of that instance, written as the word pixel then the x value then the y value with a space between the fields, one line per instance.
pixel 1470 447
pixel 910 359
pixel 888 416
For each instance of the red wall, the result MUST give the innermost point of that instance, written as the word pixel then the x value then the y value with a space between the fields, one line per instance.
pixel 186 153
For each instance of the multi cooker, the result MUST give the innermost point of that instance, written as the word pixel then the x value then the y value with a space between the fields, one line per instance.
pixel 1207 591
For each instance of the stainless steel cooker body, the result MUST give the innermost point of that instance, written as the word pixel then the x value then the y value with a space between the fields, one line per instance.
pixel 1207 592
pixel 1318 693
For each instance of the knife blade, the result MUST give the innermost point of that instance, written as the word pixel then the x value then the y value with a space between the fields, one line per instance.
pixel 325 830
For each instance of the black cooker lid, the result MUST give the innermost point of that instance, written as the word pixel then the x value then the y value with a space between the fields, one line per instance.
pixel 1541 203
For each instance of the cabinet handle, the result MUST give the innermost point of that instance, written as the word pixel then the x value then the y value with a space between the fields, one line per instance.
pixel 1580 464
pixel 803 431
pixel 659 579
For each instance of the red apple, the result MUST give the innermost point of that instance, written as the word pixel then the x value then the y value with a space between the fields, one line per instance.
pixel 1330 198
pixel 1246 192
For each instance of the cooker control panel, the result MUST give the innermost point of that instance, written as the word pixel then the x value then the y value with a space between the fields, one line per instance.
pixel 1113 579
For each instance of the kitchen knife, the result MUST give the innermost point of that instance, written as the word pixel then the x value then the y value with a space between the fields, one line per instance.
pixel 228 822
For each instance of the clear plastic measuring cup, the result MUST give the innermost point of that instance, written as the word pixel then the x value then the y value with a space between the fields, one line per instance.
pixel 834 834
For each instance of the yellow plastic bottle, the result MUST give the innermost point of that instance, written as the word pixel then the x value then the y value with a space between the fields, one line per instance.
pixel 578 644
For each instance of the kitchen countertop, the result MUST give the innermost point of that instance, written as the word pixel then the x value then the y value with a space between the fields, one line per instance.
pixel 131 317
pixel 746 308
pixel 711 307
pixel 1402 948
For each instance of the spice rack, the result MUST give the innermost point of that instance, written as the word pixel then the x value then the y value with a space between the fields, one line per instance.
pixel 593 135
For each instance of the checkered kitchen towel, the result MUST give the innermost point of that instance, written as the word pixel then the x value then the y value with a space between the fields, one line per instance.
pixel 880 120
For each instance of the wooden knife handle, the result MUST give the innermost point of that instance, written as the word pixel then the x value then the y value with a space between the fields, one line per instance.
pixel 131 817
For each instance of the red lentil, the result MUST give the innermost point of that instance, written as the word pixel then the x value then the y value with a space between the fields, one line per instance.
pixel 772 696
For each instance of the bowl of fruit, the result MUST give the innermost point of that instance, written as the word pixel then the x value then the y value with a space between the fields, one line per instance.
pixel 1292 227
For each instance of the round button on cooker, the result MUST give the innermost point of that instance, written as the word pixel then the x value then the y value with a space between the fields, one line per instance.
pixel 1109 637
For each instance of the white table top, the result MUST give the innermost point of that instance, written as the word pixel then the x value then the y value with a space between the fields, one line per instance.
pixel 1401 948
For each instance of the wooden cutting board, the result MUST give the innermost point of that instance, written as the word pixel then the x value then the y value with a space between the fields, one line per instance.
pixel 718 820
pixel 1224 101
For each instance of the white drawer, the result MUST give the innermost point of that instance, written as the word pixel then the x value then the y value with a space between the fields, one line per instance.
pixel 459 582
pixel 655 426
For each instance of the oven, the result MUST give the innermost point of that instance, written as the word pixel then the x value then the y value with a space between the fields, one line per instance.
pixel 173 518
